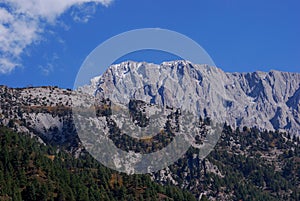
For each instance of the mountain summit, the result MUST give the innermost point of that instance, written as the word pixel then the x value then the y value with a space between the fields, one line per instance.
pixel 268 100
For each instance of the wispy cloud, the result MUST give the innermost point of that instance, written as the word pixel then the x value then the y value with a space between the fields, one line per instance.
pixel 22 23
pixel 49 67
pixel 83 13
pixel 6 65
pixel 46 69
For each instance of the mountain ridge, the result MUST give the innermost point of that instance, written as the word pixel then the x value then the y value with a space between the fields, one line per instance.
pixel 269 100
pixel 246 163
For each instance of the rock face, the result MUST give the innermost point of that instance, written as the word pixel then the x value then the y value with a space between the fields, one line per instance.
pixel 44 112
pixel 268 100
pixel 265 100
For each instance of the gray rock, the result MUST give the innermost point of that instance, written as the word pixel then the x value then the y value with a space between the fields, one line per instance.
pixel 268 100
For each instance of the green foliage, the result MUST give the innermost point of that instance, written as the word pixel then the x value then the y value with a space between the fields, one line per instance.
pixel 249 165
pixel 35 172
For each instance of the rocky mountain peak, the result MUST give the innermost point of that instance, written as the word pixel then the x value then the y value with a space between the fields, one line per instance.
pixel 269 100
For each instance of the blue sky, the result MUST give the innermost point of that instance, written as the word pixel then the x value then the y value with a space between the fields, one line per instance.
pixel 240 36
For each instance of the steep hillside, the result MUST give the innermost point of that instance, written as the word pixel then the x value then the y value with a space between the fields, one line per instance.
pixel 35 172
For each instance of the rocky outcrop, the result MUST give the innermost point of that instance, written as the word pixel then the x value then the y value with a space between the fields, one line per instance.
pixel 268 100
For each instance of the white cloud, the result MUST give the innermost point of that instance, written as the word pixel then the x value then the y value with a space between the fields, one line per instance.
pixel 23 21
pixel 83 13
pixel 46 69
pixel 7 65
pixel 49 67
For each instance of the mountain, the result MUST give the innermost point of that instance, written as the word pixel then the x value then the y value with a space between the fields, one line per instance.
pixel 268 100
pixel 256 157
